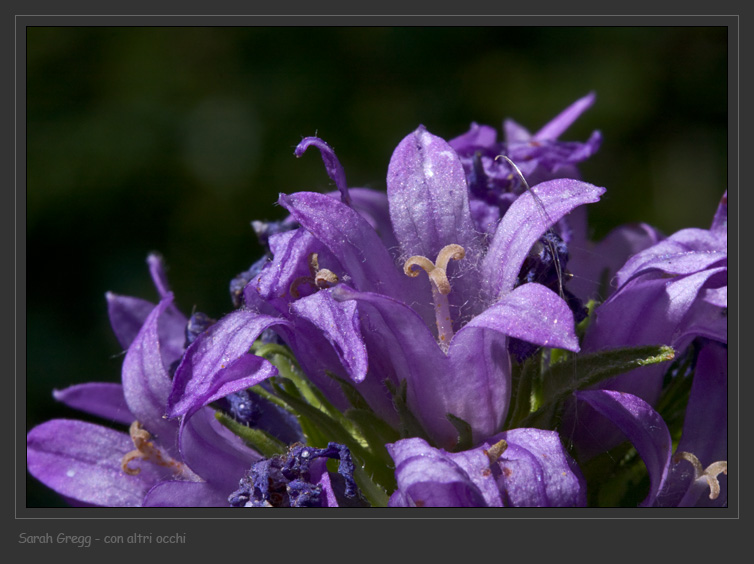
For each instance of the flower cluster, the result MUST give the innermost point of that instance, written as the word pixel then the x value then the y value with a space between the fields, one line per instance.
pixel 449 342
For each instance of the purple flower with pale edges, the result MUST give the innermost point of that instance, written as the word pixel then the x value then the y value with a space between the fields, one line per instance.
pixel 344 291
pixel 517 468
pixel 668 294
pixel 196 462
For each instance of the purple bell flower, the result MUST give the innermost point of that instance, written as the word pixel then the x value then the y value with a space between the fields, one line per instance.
pixel 196 462
pixel 335 294
pixel 517 468
pixel 668 294
pixel 696 474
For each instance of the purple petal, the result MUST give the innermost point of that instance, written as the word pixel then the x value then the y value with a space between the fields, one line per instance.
pixel 426 187
pixel 708 317
pixel 546 160
pixel 82 461
pixel 157 271
pixel 397 499
pixel 705 428
pixel 339 323
pixel 291 251
pixel 642 425
pixel 199 374
pixel 103 399
pixel 647 311
pixel 476 463
pixel 472 382
pixel 532 313
pixel 716 296
pixel 373 206
pixel 428 478
pixel 592 266
pixel 515 132
pixel 319 476
pixel 533 471
pixel 213 452
pixel 651 310
pixel 684 252
pixel 537 472
pixel 146 383
pixel 127 315
pixel 184 494
pixel 332 164
pixel 244 372
pixel 524 223
pixel 475 387
pixel 350 238
pixel 316 357
pixel 563 121
pixel 401 347
pixel 478 137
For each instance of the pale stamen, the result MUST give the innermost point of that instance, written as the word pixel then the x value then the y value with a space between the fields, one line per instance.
pixel 438 277
pixel 147 450
pixel 710 474
pixel 496 451
pixel 319 277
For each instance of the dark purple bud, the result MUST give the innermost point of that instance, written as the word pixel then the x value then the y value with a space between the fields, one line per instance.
pixel 197 324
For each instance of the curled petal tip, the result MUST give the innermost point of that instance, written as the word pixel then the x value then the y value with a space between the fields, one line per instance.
pixel 332 164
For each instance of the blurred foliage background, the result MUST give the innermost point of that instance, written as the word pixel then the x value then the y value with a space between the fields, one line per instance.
pixel 174 139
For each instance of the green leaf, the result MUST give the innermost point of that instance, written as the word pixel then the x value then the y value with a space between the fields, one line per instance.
pixel 584 371
pixel 261 441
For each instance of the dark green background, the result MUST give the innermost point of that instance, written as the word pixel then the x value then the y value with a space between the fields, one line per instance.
pixel 174 139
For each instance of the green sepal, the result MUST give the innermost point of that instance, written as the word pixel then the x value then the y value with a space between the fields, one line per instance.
pixel 559 355
pixel 261 441
pixel 465 433
pixel 410 426
pixel 582 372
pixel 372 491
pixel 353 395
pixel 584 324
pixel 521 402
pixel 675 391
pixel 328 428
pixel 272 398
pixel 375 431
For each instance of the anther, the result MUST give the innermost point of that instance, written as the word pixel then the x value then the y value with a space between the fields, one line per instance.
pixel 710 473
pixel 496 451
pixel 319 277
pixel 325 278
